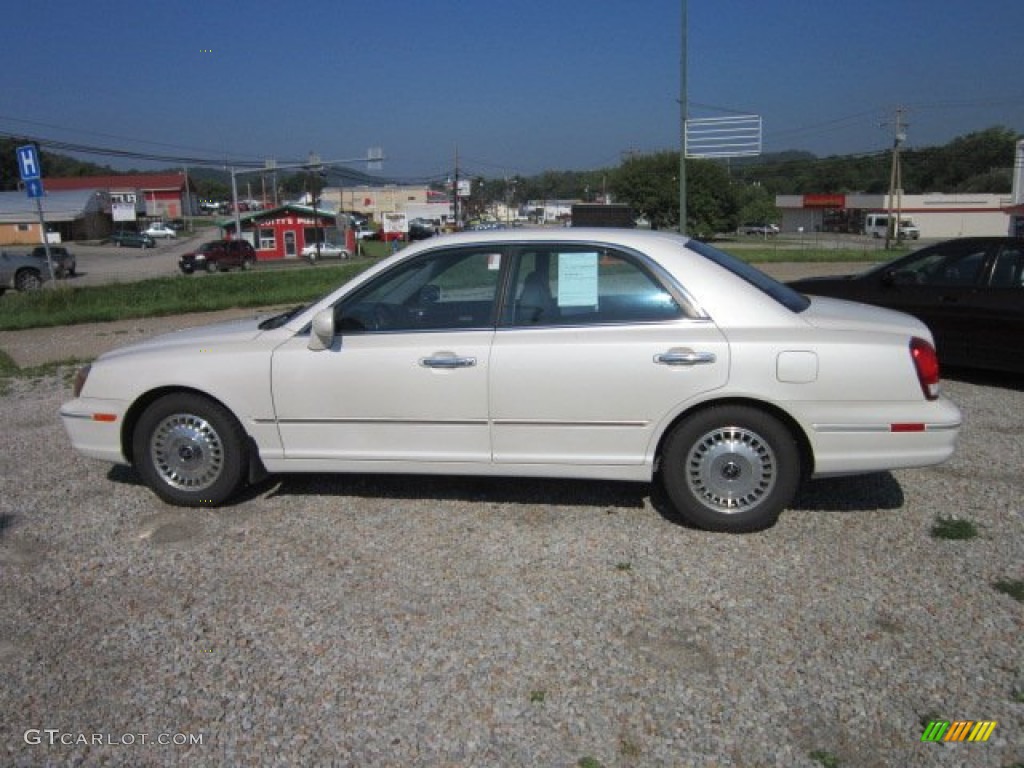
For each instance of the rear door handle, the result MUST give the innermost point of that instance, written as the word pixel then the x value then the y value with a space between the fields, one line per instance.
pixel 684 357
pixel 447 362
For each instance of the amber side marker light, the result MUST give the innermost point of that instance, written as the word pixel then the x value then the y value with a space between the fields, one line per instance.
pixel 104 417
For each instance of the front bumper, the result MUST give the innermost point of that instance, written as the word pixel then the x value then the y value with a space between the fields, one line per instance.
pixel 94 428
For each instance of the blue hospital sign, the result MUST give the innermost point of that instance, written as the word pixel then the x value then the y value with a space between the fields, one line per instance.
pixel 28 162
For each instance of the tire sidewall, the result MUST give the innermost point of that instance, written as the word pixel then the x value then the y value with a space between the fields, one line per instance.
pixel 231 435
pixel 683 438
pixel 28 281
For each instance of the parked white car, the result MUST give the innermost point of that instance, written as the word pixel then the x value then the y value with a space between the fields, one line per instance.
pixel 577 353
pixel 325 251
pixel 159 229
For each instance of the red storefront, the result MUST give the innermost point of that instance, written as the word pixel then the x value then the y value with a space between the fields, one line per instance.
pixel 282 233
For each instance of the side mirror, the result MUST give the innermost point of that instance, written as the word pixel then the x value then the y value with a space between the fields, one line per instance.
pixel 321 336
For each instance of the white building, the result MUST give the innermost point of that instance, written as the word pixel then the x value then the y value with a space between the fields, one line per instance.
pixel 937 215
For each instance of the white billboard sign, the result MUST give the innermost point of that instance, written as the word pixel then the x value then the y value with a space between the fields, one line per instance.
pixel 122 211
pixel 395 222
pixel 711 137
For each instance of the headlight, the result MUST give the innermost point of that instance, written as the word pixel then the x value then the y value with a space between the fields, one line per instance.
pixel 80 376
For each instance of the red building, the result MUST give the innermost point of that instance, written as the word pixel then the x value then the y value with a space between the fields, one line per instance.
pixel 156 195
pixel 282 233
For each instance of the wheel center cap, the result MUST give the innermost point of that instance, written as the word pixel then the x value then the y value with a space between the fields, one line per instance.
pixel 731 471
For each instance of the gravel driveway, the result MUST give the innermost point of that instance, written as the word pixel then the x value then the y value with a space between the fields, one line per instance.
pixel 402 621
pixel 399 621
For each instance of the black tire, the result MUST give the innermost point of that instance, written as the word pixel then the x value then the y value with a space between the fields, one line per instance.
pixel 190 451
pixel 212 267
pixel 28 280
pixel 731 469
pixel 247 264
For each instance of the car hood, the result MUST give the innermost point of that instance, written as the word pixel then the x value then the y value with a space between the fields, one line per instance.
pixel 202 337
pixel 842 315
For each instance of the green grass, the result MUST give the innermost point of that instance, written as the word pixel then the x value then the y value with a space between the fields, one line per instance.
pixel 1014 588
pixel 767 255
pixel 825 758
pixel 67 305
pixel 952 528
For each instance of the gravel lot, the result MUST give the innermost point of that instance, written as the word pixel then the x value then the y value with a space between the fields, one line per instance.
pixel 398 621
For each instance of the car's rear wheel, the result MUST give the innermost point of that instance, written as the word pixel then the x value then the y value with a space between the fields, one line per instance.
pixel 247 264
pixel 28 280
pixel 731 468
pixel 190 450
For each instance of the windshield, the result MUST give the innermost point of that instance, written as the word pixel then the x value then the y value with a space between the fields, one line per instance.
pixel 789 298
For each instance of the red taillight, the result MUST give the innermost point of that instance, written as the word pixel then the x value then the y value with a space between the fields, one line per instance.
pixel 926 363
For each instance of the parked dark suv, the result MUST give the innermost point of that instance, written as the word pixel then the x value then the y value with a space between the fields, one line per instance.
pixel 63 260
pixel 218 255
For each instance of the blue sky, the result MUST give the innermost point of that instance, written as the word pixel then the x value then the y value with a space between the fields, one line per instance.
pixel 516 87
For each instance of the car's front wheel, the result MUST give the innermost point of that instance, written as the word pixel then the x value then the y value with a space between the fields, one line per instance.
pixel 731 468
pixel 190 450
pixel 212 266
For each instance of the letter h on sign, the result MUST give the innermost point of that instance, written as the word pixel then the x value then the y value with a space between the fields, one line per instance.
pixel 28 163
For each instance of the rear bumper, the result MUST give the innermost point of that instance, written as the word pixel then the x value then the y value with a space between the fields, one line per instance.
pixel 883 437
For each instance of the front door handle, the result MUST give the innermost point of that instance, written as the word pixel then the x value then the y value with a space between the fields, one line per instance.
pixel 684 357
pixel 447 362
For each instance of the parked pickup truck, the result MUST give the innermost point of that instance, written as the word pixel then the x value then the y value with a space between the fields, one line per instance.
pixel 63 259
pixel 22 271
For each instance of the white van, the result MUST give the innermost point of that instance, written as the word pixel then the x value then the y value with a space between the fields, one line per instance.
pixel 877 224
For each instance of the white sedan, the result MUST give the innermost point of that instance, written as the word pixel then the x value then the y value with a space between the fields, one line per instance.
pixel 324 251
pixel 574 353
pixel 160 229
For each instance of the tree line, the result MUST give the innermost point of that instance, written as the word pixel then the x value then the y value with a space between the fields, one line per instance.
pixel 721 194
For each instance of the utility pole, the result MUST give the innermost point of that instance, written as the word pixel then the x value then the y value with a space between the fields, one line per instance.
pixel 682 121
pixel 455 188
pixel 895 204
